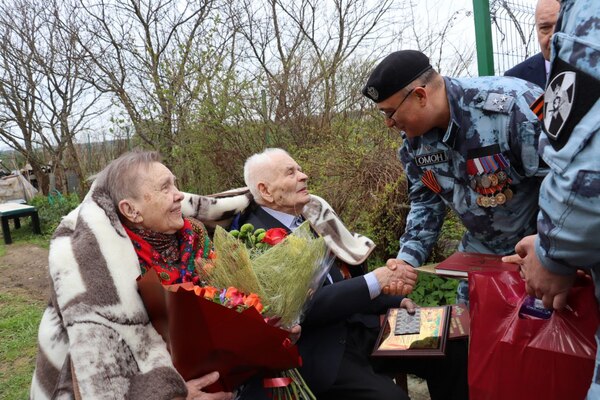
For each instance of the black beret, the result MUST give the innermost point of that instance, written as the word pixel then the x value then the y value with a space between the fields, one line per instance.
pixel 395 72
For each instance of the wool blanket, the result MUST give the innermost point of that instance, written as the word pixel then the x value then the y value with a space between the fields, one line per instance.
pixel 95 325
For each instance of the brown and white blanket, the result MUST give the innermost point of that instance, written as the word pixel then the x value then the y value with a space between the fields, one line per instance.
pixel 95 325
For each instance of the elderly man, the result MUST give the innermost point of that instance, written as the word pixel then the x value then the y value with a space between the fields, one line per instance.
pixel 569 219
pixel 470 145
pixel 342 321
pixel 536 68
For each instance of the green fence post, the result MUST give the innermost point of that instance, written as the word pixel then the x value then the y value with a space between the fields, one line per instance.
pixel 483 37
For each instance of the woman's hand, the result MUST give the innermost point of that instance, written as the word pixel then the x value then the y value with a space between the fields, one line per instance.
pixel 195 387
pixel 295 333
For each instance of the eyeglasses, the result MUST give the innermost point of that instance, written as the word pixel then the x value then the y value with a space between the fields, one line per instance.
pixel 390 114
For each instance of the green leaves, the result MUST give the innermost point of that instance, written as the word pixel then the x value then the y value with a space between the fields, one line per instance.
pixel 433 290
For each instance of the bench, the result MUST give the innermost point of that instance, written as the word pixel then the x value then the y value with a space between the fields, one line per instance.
pixel 15 211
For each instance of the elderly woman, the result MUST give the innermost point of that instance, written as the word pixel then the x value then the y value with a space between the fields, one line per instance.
pixel 95 338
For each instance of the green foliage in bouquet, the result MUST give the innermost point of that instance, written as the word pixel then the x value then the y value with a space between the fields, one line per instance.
pixel 287 272
pixel 232 266
pixel 253 239
pixel 282 275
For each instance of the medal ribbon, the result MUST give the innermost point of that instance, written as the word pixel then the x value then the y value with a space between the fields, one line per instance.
pixel 490 160
pixel 538 107
pixel 478 165
pixel 471 169
pixel 503 162
pixel 486 165
pixel 431 182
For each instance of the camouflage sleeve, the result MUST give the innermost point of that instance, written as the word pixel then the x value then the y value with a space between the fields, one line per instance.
pixel 426 216
pixel 569 219
pixel 524 134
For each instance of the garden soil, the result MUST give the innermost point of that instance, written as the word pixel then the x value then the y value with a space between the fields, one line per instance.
pixel 24 271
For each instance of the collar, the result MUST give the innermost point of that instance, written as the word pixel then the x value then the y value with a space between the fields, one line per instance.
pixel 286 219
pixel 453 126
pixel 451 133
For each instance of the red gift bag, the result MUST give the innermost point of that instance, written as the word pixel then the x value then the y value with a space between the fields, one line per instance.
pixel 513 357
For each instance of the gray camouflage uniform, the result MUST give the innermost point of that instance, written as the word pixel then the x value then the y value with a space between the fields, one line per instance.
pixel 569 219
pixel 492 131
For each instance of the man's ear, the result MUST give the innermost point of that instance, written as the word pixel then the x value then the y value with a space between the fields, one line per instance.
pixel 421 94
pixel 265 193
pixel 127 209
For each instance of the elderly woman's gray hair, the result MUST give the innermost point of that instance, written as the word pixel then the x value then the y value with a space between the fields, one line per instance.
pixel 257 168
pixel 121 176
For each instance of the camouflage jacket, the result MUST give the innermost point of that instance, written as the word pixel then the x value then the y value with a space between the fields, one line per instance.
pixel 484 166
pixel 569 219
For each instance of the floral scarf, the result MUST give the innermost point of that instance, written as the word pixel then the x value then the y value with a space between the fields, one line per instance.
pixel 171 256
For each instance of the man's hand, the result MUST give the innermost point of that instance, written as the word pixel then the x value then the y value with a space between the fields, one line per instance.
pixel 397 277
pixel 539 282
pixel 513 258
pixel 195 387
pixel 409 305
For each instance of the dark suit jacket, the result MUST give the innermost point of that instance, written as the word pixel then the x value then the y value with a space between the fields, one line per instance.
pixel 330 312
pixel 533 70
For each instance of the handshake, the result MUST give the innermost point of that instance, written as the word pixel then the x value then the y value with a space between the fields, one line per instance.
pixel 396 278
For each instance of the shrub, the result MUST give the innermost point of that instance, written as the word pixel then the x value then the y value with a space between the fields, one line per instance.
pixel 52 208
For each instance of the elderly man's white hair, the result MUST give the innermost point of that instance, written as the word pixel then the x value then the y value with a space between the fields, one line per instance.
pixel 257 168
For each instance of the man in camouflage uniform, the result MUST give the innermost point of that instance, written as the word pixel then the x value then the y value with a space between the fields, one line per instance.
pixel 569 219
pixel 469 144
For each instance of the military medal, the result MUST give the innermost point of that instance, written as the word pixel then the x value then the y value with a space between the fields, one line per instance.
pixel 501 176
pixel 493 179
pixel 500 198
pixel 485 181
pixel 489 177
pixel 431 182
pixel 485 201
pixel 478 201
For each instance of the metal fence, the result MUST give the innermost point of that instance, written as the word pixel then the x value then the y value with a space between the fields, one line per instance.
pixel 513 33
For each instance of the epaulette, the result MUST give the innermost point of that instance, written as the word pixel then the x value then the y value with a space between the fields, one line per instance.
pixel 496 102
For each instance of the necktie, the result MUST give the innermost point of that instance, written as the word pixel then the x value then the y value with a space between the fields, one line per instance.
pixel 297 222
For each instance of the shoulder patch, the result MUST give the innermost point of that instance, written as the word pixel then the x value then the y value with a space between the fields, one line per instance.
pixel 570 94
pixel 499 103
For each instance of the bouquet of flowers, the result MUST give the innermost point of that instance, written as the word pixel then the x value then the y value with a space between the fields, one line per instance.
pixel 207 329
pixel 284 270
